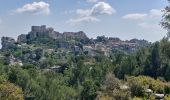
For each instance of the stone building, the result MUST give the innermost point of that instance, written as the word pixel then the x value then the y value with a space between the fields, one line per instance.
pixel 38 31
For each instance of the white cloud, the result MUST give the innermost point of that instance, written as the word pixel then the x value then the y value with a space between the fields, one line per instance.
pixel 102 8
pixel 135 16
pixel 149 25
pixel 155 13
pixel 35 8
pixel 91 0
pixel 83 13
pixel 83 19
pixel 90 15
pixel 149 19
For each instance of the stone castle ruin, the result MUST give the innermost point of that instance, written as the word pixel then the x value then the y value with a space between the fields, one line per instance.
pixel 43 31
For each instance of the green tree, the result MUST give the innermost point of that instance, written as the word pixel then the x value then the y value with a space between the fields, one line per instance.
pixel 89 90
pixel 9 91
pixel 111 89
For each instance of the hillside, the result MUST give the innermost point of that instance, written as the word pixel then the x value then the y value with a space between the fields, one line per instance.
pixel 48 65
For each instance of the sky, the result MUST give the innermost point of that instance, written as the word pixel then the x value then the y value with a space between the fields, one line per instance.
pixel 125 19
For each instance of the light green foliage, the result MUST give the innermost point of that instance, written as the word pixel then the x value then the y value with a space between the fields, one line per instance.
pixel 111 89
pixel 167 97
pixel 9 91
pixel 138 85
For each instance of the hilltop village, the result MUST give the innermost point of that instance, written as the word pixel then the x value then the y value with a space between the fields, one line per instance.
pixel 77 41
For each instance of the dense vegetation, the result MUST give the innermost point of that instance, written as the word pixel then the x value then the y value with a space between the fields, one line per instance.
pixel 87 77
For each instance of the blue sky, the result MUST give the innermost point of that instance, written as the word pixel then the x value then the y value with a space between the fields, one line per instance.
pixel 125 19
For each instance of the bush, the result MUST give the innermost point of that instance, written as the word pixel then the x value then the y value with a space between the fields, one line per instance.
pixel 9 91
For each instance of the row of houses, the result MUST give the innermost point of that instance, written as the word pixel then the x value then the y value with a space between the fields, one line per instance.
pixel 107 48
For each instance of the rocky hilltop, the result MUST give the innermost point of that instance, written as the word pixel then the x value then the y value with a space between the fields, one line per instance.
pixel 41 43
pixel 42 31
pixel 43 37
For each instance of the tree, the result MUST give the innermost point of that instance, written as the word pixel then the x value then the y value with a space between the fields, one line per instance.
pixel 89 90
pixel 155 59
pixel 127 67
pixel 111 89
pixel 9 91
pixel 139 84
pixel 18 76
pixel 166 19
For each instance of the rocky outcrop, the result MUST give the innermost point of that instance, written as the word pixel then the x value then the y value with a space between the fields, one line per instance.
pixel 22 38
pixel 42 31
pixel 8 43
pixel 75 35
pixel 55 35
pixel 139 42
pixel 34 55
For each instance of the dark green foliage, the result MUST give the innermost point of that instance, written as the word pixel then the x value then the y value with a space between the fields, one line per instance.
pixel 89 90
